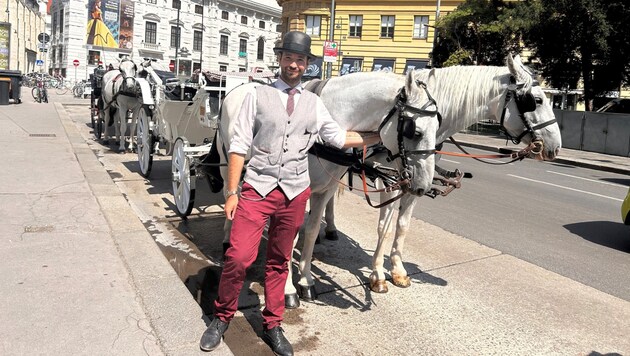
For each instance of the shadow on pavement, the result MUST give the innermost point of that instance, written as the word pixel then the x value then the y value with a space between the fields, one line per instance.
pixel 610 234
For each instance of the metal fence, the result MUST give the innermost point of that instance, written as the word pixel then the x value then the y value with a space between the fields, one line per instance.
pixel 595 132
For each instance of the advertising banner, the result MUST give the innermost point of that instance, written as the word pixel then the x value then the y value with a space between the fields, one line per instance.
pixel 330 51
pixel 110 24
pixel 5 42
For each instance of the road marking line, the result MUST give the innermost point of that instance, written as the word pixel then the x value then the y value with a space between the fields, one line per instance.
pixel 587 179
pixel 567 188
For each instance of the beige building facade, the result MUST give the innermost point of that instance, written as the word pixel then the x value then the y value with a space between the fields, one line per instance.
pixel 21 21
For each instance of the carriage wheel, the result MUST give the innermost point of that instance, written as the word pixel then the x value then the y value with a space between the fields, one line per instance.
pixel 183 176
pixel 144 142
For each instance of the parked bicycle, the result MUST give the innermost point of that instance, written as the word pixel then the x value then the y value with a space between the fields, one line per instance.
pixel 39 91
pixel 62 86
pixel 79 88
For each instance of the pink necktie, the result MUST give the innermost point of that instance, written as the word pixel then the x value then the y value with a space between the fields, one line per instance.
pixel 290 102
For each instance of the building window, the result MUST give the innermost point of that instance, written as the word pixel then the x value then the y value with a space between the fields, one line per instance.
pixel 151 1
pixel 197 40
pixel 175 33
pixel 242 48
pixel 356 25
pixel 244 20
pixel 61 24
pixel 313 25
pixel 242 69
pixel 261 49
pixel 150 32
pixel 94 57
pixel 261 24
pixel 419 27
pixel 177 4
pixel 222 68
pixel 225 15
pixel 387 26
pixel 199 9
pixel 223 47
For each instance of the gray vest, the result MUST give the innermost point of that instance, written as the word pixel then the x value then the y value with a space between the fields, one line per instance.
pixel 279 151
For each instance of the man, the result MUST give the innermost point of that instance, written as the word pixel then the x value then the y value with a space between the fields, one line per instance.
pixel 279 122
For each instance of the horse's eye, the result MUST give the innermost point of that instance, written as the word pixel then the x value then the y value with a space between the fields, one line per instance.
pixel 538 101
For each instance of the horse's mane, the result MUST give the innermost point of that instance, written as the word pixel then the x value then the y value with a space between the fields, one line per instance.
pixel 462 92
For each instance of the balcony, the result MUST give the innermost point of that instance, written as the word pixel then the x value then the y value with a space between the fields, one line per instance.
pixel 151 47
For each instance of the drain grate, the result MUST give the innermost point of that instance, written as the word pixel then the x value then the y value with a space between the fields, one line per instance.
pixel 42 135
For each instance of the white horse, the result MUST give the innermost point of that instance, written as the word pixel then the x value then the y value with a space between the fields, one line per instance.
pixel 396 106
pixel 466 94
pixel 120 94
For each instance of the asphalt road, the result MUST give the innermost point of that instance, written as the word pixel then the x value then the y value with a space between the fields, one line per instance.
pixel 562 218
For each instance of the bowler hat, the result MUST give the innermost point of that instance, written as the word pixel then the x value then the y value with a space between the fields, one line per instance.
pixel 296 42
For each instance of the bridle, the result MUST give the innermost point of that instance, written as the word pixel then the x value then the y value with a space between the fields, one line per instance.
pixel 407 126
pixel 525 102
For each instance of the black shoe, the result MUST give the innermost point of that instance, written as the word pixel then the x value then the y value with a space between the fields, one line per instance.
pixel 211 338
pixel 278 343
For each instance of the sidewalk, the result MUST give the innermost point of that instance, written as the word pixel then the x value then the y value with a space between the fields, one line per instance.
pixel 80 274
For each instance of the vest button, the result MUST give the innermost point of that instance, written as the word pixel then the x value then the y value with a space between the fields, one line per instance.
pixel 289 122
pixel 282 165
pixel 280 180
pixel 285 150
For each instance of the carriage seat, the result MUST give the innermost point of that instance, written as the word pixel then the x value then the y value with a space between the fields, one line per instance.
pixel 173 87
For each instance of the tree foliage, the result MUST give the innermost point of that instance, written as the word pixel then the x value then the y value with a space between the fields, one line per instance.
pixel 474 34
pixel 573 43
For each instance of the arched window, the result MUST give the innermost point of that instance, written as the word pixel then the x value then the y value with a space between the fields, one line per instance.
pixel 261 49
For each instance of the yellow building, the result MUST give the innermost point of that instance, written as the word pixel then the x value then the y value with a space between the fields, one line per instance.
pixel 370 35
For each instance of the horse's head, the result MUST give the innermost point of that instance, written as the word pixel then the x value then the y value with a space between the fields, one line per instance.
pixel 409 133
pixel 128 69
pixel 526 113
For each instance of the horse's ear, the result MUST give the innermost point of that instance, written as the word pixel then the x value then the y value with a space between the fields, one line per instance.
pixel 518 70
pixel 431 79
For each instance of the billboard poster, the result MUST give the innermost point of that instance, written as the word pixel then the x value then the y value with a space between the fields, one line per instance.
pixel 5 44
pixel 110 23
pixel 125 38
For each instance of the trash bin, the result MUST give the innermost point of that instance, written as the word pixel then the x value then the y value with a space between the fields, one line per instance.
pixel 15 87
pixel 5 84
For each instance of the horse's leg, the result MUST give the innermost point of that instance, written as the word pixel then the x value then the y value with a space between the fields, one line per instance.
pixel 377 278
pixel 134 120
pixel 318 201
pixel 399 274
pixel 122 134
pixel 330 230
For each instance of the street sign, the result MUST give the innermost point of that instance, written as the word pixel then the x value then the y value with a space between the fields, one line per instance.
pixel 43 37
pixel 171 66
pixel 330 51
pixel 39 62
pixel 75 62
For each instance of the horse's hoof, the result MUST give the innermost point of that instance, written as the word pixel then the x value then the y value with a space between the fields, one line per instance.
pixel 378 286
pixel 332 235
pixel 401 281
pixel 291 301
pixel 307 293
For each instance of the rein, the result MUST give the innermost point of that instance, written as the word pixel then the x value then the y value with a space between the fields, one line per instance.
pixel 516 156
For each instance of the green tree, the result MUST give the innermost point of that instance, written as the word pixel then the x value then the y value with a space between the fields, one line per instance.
pixel 475 33
pixel 568 37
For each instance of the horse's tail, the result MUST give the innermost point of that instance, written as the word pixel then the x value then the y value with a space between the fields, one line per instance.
pixel 210 164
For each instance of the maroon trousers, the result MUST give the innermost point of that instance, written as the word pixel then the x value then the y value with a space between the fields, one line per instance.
pixel 285 218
